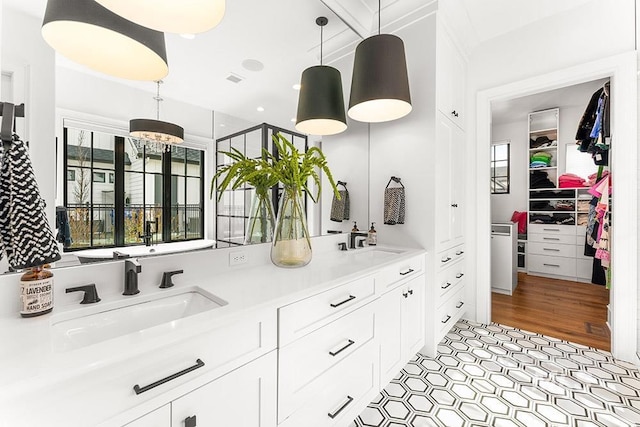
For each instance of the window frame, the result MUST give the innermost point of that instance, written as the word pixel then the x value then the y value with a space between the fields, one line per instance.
pixel 492 167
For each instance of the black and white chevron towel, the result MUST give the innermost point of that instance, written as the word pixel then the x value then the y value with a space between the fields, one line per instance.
pixel 394 205
pixel 25 234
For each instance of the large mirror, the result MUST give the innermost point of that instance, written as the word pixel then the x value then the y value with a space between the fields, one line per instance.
pixel 243 73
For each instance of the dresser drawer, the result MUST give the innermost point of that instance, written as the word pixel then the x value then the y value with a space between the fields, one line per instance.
pixel 552 229
pixel 565 239
pixel 310 356
pixel 584 268
pixel 552 249
pixel 449 280
pixel 336 398
pixel 552 265
pixel 451 311
pixel 302 317
pixel 389 277
pixel 450 256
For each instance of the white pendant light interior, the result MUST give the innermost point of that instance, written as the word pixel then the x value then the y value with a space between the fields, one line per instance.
pixel 380 110
pixel 171 16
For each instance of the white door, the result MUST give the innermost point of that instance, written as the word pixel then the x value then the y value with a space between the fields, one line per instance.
pixel 390 335
pixel 413 322
pixel 445 130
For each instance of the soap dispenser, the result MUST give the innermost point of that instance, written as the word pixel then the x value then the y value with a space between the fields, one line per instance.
pixel 355 227
pixel 372 236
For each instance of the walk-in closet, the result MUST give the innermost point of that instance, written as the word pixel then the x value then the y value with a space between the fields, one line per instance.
pixel 550 212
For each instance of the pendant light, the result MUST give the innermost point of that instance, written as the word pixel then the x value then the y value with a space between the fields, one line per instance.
pixel 321 103
pixel 88 33
pixel 380 85
pixel 157 134
pixel 171 16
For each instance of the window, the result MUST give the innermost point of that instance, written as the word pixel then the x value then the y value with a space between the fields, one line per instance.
pixel 115 185
pixel 500 168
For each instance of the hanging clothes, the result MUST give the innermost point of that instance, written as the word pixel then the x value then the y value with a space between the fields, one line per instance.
pixel 594 129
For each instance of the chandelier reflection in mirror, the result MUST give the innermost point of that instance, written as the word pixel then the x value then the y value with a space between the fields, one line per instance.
pixel 156 134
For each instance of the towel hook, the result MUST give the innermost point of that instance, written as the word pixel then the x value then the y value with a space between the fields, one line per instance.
pixel 395 179
pixel 343 183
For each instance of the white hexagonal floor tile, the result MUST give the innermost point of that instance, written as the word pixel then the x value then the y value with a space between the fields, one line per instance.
pixel 372 416
pixel 553 414
pixel 396 409
pixel 474 412
pixel 571 407
pixel 450 418
pixel 435 379
pixel 420 403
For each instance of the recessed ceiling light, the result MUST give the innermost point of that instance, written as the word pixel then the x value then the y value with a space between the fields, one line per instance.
pixel 261 109
pixel 252 65
pixel 188 36
pixel 296 86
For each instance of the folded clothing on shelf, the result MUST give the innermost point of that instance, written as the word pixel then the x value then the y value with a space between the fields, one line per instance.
pixel 593 178
pixel 540 179
pixel 565 205
pixel 569 180
pixel 540 205
pixel 551 194
pixel 542 141
pixel 554 218
pixel 537 164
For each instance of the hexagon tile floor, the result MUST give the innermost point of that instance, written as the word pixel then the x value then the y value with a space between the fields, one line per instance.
pixel 494 375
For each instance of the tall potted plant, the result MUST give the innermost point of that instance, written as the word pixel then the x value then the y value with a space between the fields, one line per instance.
pixel 258 174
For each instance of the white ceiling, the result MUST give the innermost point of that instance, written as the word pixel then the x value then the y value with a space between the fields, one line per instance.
pixel 283 35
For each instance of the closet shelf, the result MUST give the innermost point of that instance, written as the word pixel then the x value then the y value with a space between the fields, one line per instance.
pixel 544 168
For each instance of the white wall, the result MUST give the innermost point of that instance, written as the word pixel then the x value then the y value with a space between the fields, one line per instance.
pixel 503 205
pixel 546 46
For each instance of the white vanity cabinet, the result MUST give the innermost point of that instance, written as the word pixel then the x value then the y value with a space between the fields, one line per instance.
pixel 243 397
pixel 400 326
pixel 160 417
pixel 451 74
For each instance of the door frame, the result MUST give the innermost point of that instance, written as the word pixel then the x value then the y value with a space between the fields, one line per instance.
pixel 622 70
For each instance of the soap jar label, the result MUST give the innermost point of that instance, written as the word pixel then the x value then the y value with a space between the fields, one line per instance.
pixel 36 293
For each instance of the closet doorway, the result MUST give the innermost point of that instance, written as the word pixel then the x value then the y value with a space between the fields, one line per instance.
pixel 621 69
pixel 545 277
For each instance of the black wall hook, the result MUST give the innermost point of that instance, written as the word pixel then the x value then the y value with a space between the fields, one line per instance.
pixel 396 180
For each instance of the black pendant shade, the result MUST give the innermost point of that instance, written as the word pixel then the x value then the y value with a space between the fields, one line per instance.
pixel 380 85
pixel 156 131
pixel 88 33
pixel 320 103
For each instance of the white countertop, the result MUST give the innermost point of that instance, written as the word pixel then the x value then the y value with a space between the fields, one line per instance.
pixel 29 361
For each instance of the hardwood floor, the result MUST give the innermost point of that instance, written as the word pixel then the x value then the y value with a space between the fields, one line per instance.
pixel 563 309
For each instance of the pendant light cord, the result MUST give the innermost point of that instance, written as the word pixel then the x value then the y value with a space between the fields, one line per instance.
pixel 158 99
pixel 321 40
pixel 379 10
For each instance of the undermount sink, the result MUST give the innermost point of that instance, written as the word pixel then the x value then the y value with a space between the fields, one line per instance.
pixel 94 327
pixel 376 253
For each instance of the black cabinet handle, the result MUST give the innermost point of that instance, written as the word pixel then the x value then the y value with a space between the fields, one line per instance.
pixel 551 249
pixel 406 295
pixel 454 113
pixel 551 265
pixel 550 238
pixel 454 205
pixel 351 342
pixel 410 291
pixel 459 252
pixel 351 297
pixel 140 390
pixel 190 421
pixel 445 320
pixel 460 304
pixel 332 415
pixel 459 275
pixel 445 286
pixel 447 259
pixel 404 273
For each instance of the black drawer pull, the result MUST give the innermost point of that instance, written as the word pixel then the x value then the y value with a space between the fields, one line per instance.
pixel 190 421
pixel 447 259
pixel 445 286
pixel 550 238
pixel 459 252
pixel 406 295
pixel 551 249
pixel 340 409
pixel 410 291
pixel 551 229
pixel 351 297
pixel 404 273
pixel 459 275
pixel 351 342
pixel 139 390
pixel 446 319
pixel 460 304
pixel 551 265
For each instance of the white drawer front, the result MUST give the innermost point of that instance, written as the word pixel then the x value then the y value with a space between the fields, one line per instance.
pixel 551 249
pixel 389 277
pixel 584 268
pixel 302 317
pixel 336 398
pixel 552 265
pixel 451 311
pixel 449 280
pixel 564 239
pixel 305 359
pixel 450 256
pixel 553 229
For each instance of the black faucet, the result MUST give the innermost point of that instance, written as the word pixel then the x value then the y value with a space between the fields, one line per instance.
pixel 131 269
pixel 166 278
pixel 90 293
pixel 148 235
pixel 352 238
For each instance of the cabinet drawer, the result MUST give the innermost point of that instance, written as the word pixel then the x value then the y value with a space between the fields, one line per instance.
pixel 307 358
pixel 449 280
pixel 451 311
pixel 552 229
pixel 584 268
pixel 564 239
pixel 552 249
pixel 552 265
pixel 338 396
pixel 391 276
pixel 302 317
pixel 450 256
